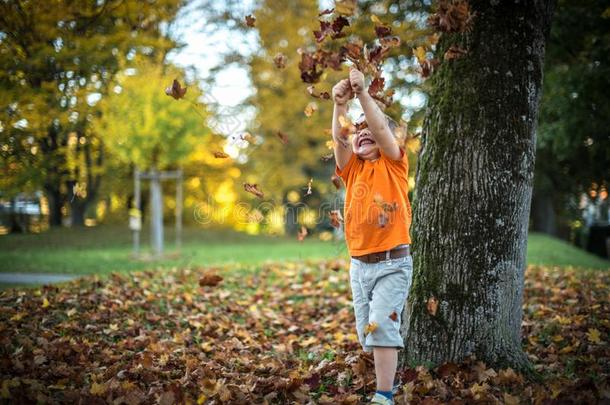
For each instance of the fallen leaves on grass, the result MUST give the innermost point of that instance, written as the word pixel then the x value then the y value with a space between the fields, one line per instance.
pixel 276 333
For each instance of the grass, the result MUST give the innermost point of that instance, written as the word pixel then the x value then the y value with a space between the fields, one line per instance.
pixel 106 249
pixel 546 250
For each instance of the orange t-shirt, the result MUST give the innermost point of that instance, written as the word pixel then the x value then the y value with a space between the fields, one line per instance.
pixel 377 210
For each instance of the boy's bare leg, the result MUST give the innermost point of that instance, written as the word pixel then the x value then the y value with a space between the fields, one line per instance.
pixel 386 361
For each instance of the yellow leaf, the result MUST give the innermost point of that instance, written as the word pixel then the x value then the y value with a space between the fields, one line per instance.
pixel 376 20
pixel 310 109
pixel 593 335
pixel 97 389
pixel 18 316
pixel 45 302
pixel 557 338
pixel 370 328
pixel 5 393
pixel 201 399
pixel 510 400
pixel 420 54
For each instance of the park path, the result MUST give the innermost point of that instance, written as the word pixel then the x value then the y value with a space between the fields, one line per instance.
pixel 34 278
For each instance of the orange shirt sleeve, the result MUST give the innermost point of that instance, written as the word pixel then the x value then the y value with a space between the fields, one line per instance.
pixel 344 173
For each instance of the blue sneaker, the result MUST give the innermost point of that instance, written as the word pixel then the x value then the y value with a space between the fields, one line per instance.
pixel 381 400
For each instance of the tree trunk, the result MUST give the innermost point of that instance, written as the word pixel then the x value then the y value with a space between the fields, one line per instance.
pixel 473 190
pixel 56 202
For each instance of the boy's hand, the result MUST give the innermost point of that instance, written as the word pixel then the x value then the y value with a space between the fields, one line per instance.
pixel 356 79
pixel 342 92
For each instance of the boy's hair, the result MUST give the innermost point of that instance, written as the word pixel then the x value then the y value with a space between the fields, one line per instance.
pixel 391 123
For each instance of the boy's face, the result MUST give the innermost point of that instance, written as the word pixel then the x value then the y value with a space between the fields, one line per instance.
pixel 363 141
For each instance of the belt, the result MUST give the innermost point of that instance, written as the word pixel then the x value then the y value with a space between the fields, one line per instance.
pixel 376 257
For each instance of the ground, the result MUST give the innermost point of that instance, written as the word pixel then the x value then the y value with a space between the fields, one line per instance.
pixel 278 332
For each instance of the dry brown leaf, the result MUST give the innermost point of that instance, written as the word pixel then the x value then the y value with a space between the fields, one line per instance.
pixel 253 188
pixel 210 280
pixel 175 90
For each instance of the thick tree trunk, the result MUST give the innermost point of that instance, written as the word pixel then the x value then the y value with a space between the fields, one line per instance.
pixel 473 190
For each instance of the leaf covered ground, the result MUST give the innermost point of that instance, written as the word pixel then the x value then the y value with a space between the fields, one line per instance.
pixel 282 333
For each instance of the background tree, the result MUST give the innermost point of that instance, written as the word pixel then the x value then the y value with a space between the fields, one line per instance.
pixel 473 187
pixel 146 129
pixel 574 131
pixel 56 57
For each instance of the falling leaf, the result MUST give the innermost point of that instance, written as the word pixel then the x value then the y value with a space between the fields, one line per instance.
pixel 328 157
pixel 317 94
pixel 454 52
pixel 452 16
pixel 250 21
pixel 309 187
pixel 370 328
pixel 246 136
pixel 45 302
pixel 331 29
pixel 345 7
pixel 347 127
pixel 175 90
pixel 253 188
pixel 432 305
pixel 302 233
pixel 336 219
pixel 382 219
pixel 280 60
pixel 210 279
pixel 420 54
pixel 310 109
pixel 282 137
pixel 336 181
pixel 427 67
pixel 220 155
pixel 394 316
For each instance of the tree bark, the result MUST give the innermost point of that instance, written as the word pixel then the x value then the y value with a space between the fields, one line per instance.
pixel 473 190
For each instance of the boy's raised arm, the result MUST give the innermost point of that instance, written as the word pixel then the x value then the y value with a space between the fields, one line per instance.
pixel 342 93
pixel 375 118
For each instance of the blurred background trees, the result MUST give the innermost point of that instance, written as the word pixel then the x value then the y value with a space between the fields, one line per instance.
pixel 82 104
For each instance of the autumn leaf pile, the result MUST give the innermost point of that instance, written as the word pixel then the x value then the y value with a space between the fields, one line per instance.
pixel 275 334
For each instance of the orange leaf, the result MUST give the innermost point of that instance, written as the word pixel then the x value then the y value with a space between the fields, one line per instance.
pixel 220 155
pixel 301 234
pixel 209 279
pixel 432 306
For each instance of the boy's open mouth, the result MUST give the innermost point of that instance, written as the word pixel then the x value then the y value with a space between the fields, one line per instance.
pixel 365 141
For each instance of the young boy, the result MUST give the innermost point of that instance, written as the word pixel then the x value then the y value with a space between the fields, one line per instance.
pixel 377 218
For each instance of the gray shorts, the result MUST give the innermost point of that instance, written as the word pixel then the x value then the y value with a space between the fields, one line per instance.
pixel 379 292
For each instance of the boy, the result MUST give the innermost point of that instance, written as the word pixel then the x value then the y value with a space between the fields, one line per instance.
pixel 377 217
